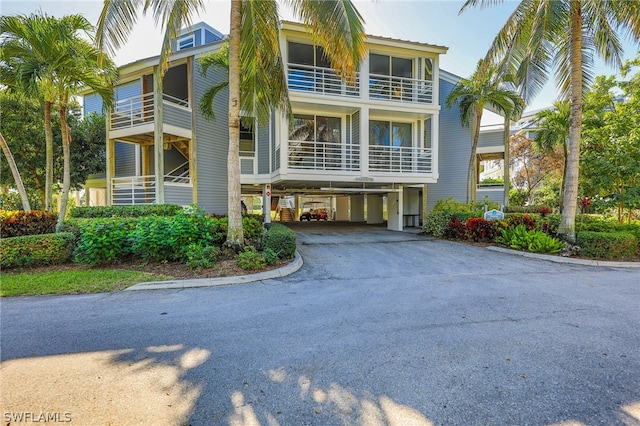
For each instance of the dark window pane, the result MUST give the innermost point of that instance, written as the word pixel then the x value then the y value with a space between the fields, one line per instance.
pixel 328 129
pixel 321 59
pixel 401 67
pixel 302 128
pixel 300 53
pixel 402 134
pixel 379 64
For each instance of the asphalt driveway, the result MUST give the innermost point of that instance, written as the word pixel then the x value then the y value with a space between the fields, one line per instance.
pixel 377 328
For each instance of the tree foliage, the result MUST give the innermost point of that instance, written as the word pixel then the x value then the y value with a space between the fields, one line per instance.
pixel 610 164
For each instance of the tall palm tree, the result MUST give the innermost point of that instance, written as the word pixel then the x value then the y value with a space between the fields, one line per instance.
pixel 553 132
pixel 483 89
pixel 335 25
pixel 29 65
pixel 563 35
pixel 85 67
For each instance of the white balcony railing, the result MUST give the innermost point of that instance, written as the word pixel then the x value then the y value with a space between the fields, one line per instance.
pixel 399 159
pixel 139 110
pixel 400 89
pixel 321 80
pixel 309 155
pixel 140 189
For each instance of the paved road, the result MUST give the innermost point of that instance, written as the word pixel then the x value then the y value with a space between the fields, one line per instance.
pixel 377 328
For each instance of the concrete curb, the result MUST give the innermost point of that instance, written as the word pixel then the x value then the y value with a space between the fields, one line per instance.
pixel 569 260
pixel 210 282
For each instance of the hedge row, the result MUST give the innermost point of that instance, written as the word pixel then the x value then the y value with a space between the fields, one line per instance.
pixel 607 245
pixel 17 223
pixel 36 250
pixel 126 211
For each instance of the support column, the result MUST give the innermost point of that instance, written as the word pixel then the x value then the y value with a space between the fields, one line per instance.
pixel 395 210
pixel 357 208
pixel 364 141
pixel 158 137
pixel 374 209
pixel 266 202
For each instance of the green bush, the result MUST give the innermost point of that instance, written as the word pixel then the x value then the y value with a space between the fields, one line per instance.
pixel 197 256
pixel 281 240
pixel 126 211
pixel 36 250
pixel 607 245
pixel 17 223
pixel 526 209
pixel 163 238
pixel 452 206
pixel 270 256
pixel 250 259
pixel 535 241
pixel 437 223
pixel 252 229
pixel 104 241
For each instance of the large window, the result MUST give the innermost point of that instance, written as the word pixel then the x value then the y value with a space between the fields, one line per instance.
pixel 247 137
pixel 388 65
pixel 316 142
pixel 316 128
pixel 306 54
pixel 389 133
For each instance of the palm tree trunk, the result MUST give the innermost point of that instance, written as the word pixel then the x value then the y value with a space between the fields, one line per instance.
pixel 567 227
pixel 48 140
pixel 473 174
pixel 235 239
pixel 66 176
pixel 16 174
pixel 506 160
pixel 565 152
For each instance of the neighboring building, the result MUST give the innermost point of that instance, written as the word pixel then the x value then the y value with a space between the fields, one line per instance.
pixel 380 148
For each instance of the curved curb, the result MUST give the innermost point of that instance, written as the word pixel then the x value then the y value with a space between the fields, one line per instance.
pixel 569 260
pixel 211 282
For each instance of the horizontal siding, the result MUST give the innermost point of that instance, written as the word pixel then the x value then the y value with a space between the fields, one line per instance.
pixel 491 139
pixel 128 90
pixel 263 149
pixel 125 159
pixel 92 103
pixel 176 116
pixel 212 146
pixel 454 150
pixel 178 194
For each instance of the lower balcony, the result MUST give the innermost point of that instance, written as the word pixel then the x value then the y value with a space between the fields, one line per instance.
pixel 132 190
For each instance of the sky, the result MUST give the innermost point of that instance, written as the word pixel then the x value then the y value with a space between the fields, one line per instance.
pixel 468 36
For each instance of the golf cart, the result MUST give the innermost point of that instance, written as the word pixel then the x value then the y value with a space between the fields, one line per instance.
pixel 314 210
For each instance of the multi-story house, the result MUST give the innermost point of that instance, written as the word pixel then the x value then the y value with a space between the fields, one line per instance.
pixel 381 147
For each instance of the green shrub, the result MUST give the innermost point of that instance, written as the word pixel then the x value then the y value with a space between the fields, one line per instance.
pixel 281 240
pixel 252 229
pixel 163 238
pixel 535 241
pixel 452 206
pixel 17 223
pixel 197 256
pixel 36 250
pixel 607 245
pixel 527 209
pixel 126 211
pixel 104 241
pixel 437 223
pixel 250 259
pixel 270 256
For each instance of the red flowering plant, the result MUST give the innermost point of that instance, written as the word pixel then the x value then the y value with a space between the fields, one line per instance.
pixel 457 229
pixel 526 220
pixel 585 204
pixel 479 229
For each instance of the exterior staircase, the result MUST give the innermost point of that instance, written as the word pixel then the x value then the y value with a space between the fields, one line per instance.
pixel 286 215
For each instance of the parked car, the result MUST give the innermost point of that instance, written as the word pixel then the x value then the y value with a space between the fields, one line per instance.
pixel 310 211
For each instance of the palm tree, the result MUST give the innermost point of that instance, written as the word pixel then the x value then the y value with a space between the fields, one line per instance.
pixel 553 132
pixel 472 95
pixel 16 174
pixel 29 66
pixel 84 68
pixel 335 25
pixel 563 35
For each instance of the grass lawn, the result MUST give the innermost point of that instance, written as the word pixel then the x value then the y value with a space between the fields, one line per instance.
pixel 71 281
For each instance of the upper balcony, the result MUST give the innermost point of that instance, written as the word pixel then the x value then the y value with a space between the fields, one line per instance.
pixel 136 115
